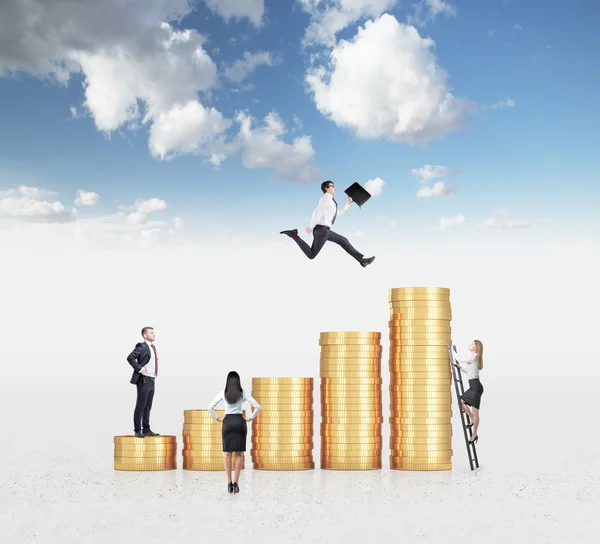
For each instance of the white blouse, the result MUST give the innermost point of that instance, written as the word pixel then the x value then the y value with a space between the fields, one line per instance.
pixel 469 364
pixel 233 408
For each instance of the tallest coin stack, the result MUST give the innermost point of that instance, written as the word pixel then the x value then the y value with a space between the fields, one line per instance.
pixel 420 379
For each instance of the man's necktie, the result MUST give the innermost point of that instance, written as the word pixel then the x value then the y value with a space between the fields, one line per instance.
pixel 336 207
pixel 156 360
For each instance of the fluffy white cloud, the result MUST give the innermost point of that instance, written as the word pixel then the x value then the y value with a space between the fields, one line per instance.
pixel 263 147
pixel 375 186
pixel 385 83
pixel 449 222
pixel 438 189
pixel 429 172
pixel 28 204
pixel 238 9
pixel 138 213
pixel 137 68
pixel 328 17
pixel 507 223
pixel 86 198
pixel 189 128
pixel 508 103
pixel 241 68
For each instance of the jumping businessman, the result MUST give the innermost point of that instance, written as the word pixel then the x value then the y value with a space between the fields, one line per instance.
pixel 320 225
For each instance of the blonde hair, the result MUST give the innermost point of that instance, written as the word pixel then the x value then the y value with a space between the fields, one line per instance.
pixel 479 353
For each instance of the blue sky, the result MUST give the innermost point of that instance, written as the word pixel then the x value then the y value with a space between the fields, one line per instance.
pixel 534 157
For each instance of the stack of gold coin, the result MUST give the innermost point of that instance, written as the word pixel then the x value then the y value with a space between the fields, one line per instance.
pixel 150 453
pixel 203 442
pixel 283 430
pixel 420 379
pixel 351 411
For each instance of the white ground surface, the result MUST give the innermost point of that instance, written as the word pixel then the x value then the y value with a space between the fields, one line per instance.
pixel 539 479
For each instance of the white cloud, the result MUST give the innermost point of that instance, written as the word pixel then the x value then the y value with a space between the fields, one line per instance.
pixel 86 198
pixel 27 204
pixel 517 26
pixel 450 222
pixel 508 103
pixel 141 209
pixel 429 172
pixel 385 83
pixel 375 186
pixel 238 9
pixel 263 147
pixel 328 17
pixel 189 128
pixel 439 7
pixel 507 223
pixel 241 68
pixel 438 189
pixel 137 69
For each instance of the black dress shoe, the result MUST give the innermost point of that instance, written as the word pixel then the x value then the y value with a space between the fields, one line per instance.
pixel 230 487
pixel 236 487
pixel 150 433
pixel 138 434
pixel 290 233
pixel 366 262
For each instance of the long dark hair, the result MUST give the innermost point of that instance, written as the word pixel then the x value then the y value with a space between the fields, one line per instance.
pixel 233 387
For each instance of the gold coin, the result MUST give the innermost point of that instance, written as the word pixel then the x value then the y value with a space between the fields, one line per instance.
pixel 283 381
pixel 426 379
pixel 413 389
pixel 286 456
pixel 421 435
pixel 334 465
pixel 275 405
pixel 374 428
pixel 367 342
pixel 419 290
pixel 351 399
pixel 434 411
pixel 405 337
pixel 420 303
pixel 141 454
pixel 351 373
pixel 264 427
pixel 351 440
pixel 414 420
pixel 302 433
pixel 409 368
pixel 351 350
pixel 277 416
pixel 349 387
pixel 422 313
pixel 416 352
pixel 374 457
pixel 352 421
pixel 424 450
pixel 293 448
pixel 424 375
pixel 397 320
pixel 282 441
pixel 350 334
pixel 130 439
pixel 145 447
pixel 407 407
pixel 344 382
pixel 367 412
pixel 406 465
pixel 419 298
pixel 284 395
pixel 146 460
pixel 351 363
pixel 324 369
pixel 283 466
pixel 148 467
pixel 350 450
pixel 285 421
pixel 444 442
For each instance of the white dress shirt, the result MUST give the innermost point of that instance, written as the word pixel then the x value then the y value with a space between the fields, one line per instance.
pixel 150 367
pixel 468 364
pixel 325 211
pixel 233 408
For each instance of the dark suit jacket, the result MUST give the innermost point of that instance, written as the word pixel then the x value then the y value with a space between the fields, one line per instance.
pixel 138 358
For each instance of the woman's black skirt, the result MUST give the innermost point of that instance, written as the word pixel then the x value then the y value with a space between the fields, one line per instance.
pixel 472 396
pixel 234 433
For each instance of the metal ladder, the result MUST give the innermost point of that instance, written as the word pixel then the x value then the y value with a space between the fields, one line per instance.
pixel 466 424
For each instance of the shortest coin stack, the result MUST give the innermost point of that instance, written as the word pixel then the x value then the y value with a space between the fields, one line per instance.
pixel 150 453
pixel 203 442
pixel 282 432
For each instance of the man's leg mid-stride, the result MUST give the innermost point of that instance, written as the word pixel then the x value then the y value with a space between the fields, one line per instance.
pixel 322 234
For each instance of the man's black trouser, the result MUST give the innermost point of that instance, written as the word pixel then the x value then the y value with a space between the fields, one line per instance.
pixel 145 394
pixel 322 234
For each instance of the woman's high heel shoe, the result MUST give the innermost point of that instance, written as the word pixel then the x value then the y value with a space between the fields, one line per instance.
pixel 236 487
pixel 474 441
pixel 230 487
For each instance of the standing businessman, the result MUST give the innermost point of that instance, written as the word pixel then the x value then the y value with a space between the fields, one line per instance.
pixel 144 361
pixel 321 222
